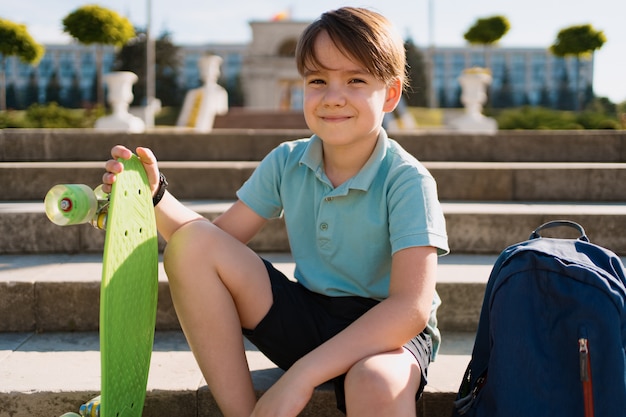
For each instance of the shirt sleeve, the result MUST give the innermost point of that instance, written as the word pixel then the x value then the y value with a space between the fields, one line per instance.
pixel 415 214
pixel 261 192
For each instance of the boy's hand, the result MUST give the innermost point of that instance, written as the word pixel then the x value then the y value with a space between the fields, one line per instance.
pixel 114 167
pixel 286 398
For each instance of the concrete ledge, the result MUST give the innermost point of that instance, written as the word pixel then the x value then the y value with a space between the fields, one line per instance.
pixel 478 181
pixel 24 228
pixel 61 293
pixel 483 228
pixel 52 373
pixel 473 227
pixel 529 181
pixel 253 144
pixel 242 118
pixel 168 144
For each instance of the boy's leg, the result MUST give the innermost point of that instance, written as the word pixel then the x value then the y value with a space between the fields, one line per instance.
pixel 383 385
pixel 218 286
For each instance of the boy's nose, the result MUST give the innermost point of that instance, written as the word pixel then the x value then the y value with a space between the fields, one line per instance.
pixel 334 96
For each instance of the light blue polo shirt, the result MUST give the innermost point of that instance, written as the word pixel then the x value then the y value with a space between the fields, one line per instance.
pixel 342 239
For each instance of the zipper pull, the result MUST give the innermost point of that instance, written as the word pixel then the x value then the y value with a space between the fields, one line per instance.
pixel 583 352
pixel 585 376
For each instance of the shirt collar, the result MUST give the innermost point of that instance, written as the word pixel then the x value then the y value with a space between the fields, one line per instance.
pixel 313 159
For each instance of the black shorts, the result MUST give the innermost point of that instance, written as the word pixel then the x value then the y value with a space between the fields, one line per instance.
pixel 300 320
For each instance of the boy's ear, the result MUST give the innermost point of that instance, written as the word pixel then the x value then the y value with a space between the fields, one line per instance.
pixel 394 93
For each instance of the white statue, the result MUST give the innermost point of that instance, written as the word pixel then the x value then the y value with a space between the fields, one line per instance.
pixel 120 95
pixel 474 83
pixel 202 104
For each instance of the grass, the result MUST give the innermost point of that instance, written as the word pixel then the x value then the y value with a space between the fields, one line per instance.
pixel 426 117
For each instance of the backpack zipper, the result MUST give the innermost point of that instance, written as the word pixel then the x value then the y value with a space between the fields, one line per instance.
pixel 585 375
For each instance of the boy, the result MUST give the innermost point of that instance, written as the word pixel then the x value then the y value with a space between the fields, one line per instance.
pixel 365 230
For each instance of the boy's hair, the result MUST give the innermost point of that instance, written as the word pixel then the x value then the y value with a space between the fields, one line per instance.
pixel 362 35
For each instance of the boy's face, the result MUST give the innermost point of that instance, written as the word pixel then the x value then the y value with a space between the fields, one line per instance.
pixel 343 102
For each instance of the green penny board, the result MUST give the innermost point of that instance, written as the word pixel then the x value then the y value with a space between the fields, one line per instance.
pixel 128 296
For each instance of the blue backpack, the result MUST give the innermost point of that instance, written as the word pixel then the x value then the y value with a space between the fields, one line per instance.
pixel 551 339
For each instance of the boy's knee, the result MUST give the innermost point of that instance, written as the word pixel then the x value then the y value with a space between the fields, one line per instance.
pixel 367 381
pixel 187 246
pixel 376 383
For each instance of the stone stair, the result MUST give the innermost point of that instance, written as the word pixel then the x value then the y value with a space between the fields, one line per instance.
pixel 494 189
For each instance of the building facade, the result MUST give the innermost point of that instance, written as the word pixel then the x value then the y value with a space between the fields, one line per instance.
pixel 531 76
pixel 269 75
pixel 266 73
pixel 72 67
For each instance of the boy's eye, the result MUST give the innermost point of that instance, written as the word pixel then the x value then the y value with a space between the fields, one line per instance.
pixel 316 81
pixel 357 81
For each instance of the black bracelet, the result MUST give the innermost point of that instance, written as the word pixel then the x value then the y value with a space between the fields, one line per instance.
pixel 161 190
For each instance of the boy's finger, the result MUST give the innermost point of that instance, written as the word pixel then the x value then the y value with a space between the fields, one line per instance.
pixel 120 151
pixel 113 166
pixel 146 155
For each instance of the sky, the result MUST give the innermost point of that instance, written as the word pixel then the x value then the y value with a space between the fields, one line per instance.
pixel 534 23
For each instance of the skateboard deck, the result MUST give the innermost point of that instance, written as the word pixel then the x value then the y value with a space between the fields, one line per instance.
pixel 128 296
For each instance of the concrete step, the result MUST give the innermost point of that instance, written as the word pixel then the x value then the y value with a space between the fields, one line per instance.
pixel 478 181
pixel 53 293
pixel 243 118
pixel 253 144
pixel 476 227
pixel 48 374
pixel 44 370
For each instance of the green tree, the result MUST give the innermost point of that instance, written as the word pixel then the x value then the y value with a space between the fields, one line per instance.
pixel 545 99
pixel 74 96
pixel 602 105
pixel 12 99
pixel 93 24
pixel 53 89
pixel 443 98
pixel 588 95
pixel 621 113
pixel 235 92
pixel 31 95
pixel 15 41
pixel 132 57
pixel 417 94
pixel 565 97
pixel 92 92
pixel 487 32
pixel 503 97
pixel 579 41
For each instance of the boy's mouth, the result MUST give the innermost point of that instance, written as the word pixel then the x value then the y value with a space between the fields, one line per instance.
pixel 335 119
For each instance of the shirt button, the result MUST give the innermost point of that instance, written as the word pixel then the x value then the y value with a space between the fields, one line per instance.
pixel 329 199
pixel 324 226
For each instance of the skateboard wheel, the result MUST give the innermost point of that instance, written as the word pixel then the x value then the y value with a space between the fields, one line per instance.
pixel 67 204
pixel 100 195
pixel 100 221
pixel 71 415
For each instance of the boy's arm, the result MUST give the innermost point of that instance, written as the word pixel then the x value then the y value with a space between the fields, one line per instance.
pixel 239 220
pixel 386 327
